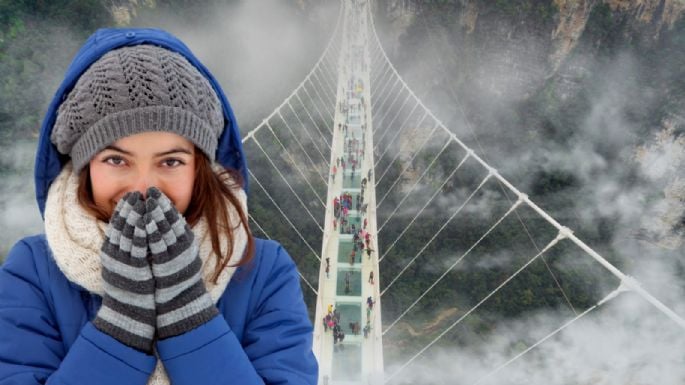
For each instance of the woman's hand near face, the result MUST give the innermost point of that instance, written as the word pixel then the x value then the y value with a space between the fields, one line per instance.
pixel 128 309
pixel 181 299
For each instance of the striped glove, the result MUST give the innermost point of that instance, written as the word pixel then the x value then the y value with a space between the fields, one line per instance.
pixel 128 305
pixel 181 299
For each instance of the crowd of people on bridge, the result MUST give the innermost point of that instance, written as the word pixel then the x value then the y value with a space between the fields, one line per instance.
pixel 342 205
pixel 350 216
pixel 332 321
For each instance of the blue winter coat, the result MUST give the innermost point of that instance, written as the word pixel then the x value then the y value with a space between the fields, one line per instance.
pixel 263 334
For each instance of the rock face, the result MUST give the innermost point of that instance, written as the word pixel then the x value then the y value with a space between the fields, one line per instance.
pixel 573 16
pixel 646 17
pixel 661 13
pixel 663 158
pixel 555 82
pixel 123 12
pixel 517 50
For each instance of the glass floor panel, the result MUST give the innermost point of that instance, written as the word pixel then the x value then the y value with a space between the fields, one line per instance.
pixel 354 132
pixel 347 362
pixel 347 229
pixel 354 118
pixel 348 162
pixel 349 282
pixel 352 180
pixel 354 195
pixel 344 251
pixel 350 313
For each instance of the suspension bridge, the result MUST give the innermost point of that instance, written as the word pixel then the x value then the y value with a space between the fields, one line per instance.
pixel 356 168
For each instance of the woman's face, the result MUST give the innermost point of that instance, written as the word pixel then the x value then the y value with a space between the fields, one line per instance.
pixel 137 162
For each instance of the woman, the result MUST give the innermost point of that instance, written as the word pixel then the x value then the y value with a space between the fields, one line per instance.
pixel 147 271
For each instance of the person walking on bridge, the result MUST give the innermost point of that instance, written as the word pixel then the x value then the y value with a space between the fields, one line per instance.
pixel 370 302
pixel 328 267
pixel 347 282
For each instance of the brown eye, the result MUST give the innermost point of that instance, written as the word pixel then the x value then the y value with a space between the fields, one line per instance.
pixel 172 162
pixel 114 160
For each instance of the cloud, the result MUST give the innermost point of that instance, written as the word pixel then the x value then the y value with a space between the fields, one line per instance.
pixel 623 342
pixel 19 214
pixel 259 50
pixel 628 189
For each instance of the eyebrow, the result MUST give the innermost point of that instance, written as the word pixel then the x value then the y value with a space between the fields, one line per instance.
pixel 159 154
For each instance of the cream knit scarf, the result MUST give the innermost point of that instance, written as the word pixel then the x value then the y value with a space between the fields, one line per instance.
pixel 75 238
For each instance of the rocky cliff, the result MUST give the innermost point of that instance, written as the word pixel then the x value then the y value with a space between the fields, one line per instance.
pixel 577 87
pixel 642 19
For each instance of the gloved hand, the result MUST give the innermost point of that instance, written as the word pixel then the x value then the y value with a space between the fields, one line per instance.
pixel 128 305
pixel 181 299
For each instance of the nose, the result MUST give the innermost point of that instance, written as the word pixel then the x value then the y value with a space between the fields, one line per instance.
pixel 144 180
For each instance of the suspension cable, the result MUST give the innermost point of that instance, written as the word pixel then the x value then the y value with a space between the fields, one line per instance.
pixel 425 246
pixel 330 73
pixel 387 80
pixel 604 300
pixel 635 285
pixel 285 150
pixel 304 128
pixel 407 164
pixel 252 132
pixel 376 91
pixel 313 121
pixel 316 107
pixel 381 121
pixel 380 75
pixel 321 58
pixel 397 135
pixel 288 184
pixel 551 243
pixel 321 103
pixel 305 152
pixel 389 108
pixel 504 191
pixel 385 95
pixel 249 216
pixel 325 91
pixel 397 206
pixel 325 83
pixel 283 214
pixel 387 128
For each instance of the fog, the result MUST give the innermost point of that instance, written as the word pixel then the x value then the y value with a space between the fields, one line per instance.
pixel 624 342
pixel 260 51
pixel 633 178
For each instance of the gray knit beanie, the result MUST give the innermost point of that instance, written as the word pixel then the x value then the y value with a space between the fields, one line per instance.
pixel 132 90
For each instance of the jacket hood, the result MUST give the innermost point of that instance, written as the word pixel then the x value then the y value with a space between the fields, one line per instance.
pixel 49 161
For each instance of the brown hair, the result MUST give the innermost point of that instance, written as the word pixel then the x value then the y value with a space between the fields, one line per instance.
pixel 211 191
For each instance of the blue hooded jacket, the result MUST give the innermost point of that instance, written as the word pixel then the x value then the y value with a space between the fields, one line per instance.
pixel 263 334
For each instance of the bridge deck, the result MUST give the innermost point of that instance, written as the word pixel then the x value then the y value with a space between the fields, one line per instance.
pixel 346 288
